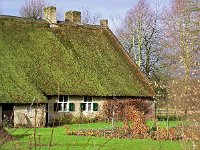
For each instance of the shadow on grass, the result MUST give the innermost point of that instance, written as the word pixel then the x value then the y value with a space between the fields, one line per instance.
pixel 5 136
pixel 10 138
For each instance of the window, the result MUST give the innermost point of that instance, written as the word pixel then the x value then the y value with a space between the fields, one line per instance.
pixel 88 104
pixel 63 104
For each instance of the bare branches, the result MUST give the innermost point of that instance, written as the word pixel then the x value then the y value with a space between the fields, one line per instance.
pixel 181 42
pixel 33 9
pixel 140 34
pixel 181 35
pixel 90 18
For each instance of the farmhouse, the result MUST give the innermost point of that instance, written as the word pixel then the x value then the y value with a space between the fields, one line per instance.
pixel 52 66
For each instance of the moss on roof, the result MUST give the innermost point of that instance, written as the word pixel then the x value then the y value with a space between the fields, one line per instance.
pixel 37 60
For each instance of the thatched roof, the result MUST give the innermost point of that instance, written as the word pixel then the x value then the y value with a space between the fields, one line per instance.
pixel 72 59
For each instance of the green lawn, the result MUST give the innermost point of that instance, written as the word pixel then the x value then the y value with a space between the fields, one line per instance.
pixel 107 125
pixel 62 141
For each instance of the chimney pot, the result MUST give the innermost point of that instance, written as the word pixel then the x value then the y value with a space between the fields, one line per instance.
pixel 73 16
pixel 50 14
pixel 104 23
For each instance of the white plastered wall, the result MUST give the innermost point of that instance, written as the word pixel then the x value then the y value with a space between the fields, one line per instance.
pixel 24 115
pixel 77 100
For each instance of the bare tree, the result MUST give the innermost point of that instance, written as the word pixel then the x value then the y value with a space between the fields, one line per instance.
pixel 181 42
pixel 33 9
pixel 139 33
pixel 90 18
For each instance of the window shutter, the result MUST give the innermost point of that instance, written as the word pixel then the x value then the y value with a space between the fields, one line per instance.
pixel 95 106
pixel 82 106
pixel 71 106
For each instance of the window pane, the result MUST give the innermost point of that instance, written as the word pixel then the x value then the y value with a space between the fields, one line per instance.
pixel 65 106
pixel 55 106
pixel 60 98
pixel 65 98
pixel 87 98
pixel 89 106
pixel 59 107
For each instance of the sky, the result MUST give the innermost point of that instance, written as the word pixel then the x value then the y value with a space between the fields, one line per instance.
pixel 107 8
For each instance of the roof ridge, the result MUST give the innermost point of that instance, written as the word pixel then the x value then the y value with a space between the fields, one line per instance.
pixel 59 22
pixel 21 18
pixel 80 25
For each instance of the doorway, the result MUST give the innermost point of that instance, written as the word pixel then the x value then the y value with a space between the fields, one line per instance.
pixel 8 114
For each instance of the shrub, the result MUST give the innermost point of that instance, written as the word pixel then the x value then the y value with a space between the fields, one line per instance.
pixel 170 118
pixel 121 107
pixel 189 132
pixel 136 128
pixel 84 119
pixel 68 118
pixel 166 134
pixel 61 119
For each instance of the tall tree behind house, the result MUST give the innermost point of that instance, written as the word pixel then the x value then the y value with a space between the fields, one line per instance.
pixel 181 40
pixel 139 33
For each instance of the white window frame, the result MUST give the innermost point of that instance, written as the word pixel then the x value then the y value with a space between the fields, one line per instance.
pixel 87 105
pixel 63 102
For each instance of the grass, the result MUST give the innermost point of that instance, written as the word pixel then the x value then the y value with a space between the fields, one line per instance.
pixel 163 123
pixel 63 141
pixel 102 125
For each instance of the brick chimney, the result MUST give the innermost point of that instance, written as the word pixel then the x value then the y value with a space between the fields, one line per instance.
pixel 73 16
pixel 50 14
pixel 104 23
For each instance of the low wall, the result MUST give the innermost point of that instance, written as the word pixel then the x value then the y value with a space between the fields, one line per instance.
pixel 24 115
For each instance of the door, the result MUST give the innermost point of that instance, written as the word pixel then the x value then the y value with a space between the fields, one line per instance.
pixel 8 114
